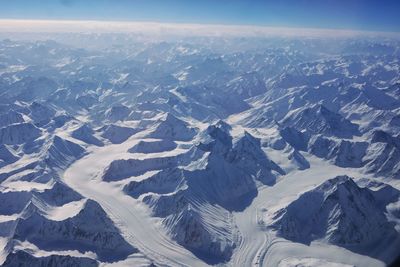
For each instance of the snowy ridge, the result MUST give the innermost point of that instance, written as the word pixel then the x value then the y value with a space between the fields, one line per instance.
pixel 319 119
pixel 86 134
pixel 182 195
pixel 125 150
pixel 153 146
pixel 117 134
pixel 19 133
pixel 172 128
pixel 338 211
pixel 87 229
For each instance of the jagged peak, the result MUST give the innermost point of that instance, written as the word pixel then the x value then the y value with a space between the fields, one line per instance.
pixel 189 213
pixel 85 128
pixel 91 205
pixel 219 136
pixel 171 119
pixel 333 183
pixel 328 211
pixel 223 125
pixel 249 139
pixel 86 133
pixel 37 107
pixel 318 109
pixel 60 152
pixel 59 142
pixel 7 153
pixel 380 136
pixel 86 209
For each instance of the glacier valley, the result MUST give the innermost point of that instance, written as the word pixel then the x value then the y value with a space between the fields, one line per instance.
pixel 121 150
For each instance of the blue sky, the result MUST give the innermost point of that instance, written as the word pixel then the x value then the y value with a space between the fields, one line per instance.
pixel 375 15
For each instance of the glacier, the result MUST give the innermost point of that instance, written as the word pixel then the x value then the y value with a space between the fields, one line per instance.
pixel 199 150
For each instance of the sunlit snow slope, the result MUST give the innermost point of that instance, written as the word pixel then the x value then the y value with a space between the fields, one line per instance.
pixel 135 151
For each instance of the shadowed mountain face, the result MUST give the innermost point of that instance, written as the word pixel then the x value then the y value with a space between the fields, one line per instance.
pixel 339 211
pixel 194 151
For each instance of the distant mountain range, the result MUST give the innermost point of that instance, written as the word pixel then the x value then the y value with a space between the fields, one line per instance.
pixel 200 151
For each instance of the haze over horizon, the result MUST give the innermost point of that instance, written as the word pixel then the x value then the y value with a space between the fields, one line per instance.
pixel 367 15
pixel 199 133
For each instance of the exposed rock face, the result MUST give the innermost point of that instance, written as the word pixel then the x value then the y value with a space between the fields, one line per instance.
pixel 299 160
pixel 59 195
pixel 173 128
pixel 40 113
pixel 338 211
pixel 198 132
pixel 343 153
pixel 89 230
pixel 383 159
pixel 224 177
pixel 7 156
pixel 21 258
pixel 118 113
pixel 295 138
pixel 85 134
pixel 153 146
pixel 117 134
pixel 11 117
pixel 14 202
pixel 320 120
pixel 120 169
pixel 19 133
pixel 195 229
pixel 62 152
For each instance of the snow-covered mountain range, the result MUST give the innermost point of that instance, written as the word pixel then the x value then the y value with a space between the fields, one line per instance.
pixel 200 151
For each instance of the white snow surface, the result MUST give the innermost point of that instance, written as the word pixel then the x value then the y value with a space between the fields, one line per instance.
pixel 125 150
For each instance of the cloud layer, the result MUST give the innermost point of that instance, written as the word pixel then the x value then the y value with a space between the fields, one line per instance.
pixel 154 28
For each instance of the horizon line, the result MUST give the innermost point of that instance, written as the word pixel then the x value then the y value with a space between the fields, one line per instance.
pixel 175 28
